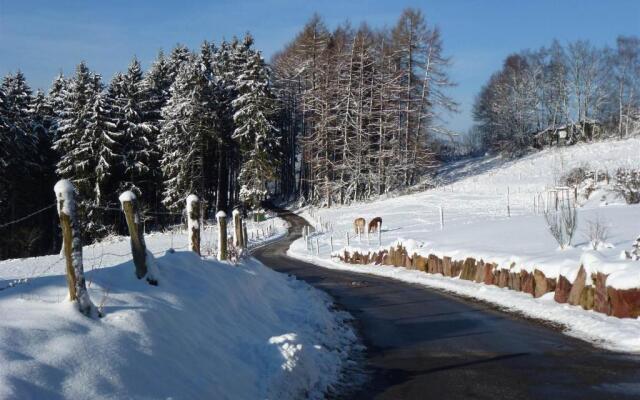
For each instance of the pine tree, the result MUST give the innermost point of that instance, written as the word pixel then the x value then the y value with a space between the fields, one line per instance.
pixel 156 86
pixel 255 133
pixel 135 132
pixel 186 135
pixel 20 167
pixel 101 132
pixel 75 152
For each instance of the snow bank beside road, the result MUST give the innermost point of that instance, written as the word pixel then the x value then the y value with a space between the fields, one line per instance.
pixel 209 330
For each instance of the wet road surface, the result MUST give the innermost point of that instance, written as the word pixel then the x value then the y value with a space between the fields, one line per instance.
pixel 425 344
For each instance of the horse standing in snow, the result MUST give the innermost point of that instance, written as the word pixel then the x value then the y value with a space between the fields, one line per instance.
pixel 358 225
pixel 375 224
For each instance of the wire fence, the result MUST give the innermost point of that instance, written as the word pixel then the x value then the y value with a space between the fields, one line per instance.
pixel 100 254
pixel 26 217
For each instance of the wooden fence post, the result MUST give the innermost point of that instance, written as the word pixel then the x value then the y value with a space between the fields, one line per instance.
pixel 193 223
pixel 238 239
pixel 129 204
pixel 245 238
pixel 221 216
pixel 72 247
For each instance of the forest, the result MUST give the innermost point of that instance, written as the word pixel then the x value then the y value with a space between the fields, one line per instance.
pixel 337 116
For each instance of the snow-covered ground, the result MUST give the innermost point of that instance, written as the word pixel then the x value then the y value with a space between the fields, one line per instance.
pixel 473 197
pixel 209 330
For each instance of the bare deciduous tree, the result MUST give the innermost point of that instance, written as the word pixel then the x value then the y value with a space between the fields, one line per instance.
pixel 597 232
pixel 562 222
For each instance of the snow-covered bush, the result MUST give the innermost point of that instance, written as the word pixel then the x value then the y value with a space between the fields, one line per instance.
pixel 597 232
pixel 576 176
pixel 562 222
pixel 585 179
pixel 628 184
pixel 634 254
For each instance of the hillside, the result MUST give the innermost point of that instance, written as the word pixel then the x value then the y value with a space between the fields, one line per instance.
pixel 492 210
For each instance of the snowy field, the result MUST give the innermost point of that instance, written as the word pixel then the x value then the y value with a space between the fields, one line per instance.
pixel 209 330
pixel 474 197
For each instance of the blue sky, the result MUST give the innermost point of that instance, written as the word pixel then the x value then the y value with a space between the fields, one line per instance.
pixel 43 37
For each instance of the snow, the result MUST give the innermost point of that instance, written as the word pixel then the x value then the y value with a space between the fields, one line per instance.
pixel 64 191
pixel 127 196
pixel 221 214
pixel 209 330
pixel 473 195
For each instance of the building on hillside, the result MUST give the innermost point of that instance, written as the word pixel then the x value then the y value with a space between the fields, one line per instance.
pixel 566 135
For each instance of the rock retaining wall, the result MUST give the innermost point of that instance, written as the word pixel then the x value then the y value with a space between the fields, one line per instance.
pixel 589 292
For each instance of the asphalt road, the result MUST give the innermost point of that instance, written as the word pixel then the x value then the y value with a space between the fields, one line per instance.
pixel 425 344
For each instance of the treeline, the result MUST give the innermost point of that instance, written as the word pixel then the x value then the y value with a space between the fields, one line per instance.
pixel 555 86
pixel 359 108
pixel 338 116
pixel 195 122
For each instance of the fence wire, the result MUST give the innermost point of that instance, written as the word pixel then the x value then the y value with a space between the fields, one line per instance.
pixel 26 217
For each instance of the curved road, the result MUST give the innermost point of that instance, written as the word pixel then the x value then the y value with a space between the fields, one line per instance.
pixel 425 344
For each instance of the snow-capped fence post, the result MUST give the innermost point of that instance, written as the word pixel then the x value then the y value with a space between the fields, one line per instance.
pixel 193 222
pixel 72 247
pixel 129 204
pixel 221 216
pixel 238 239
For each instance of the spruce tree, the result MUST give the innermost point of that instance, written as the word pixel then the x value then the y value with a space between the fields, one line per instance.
pixel 156 85
pixel 75 154
pixel 135 131
pixel 255 133
pixel 187 134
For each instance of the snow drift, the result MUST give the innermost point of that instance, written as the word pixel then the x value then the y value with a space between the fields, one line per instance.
pixel 210 330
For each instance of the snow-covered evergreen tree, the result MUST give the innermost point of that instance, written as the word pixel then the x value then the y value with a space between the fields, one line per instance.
pixel 101 130
pixel 136 133
pixel 75 152
pixel 179 56
pixel 18 145
pixel 255 108
pixel 156 85
pixel 186 135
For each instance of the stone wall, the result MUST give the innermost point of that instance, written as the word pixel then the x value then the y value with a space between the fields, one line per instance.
pixel 589 292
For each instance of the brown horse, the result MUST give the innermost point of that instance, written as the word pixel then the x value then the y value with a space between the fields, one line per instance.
pixel 358 225
pixel 375 224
